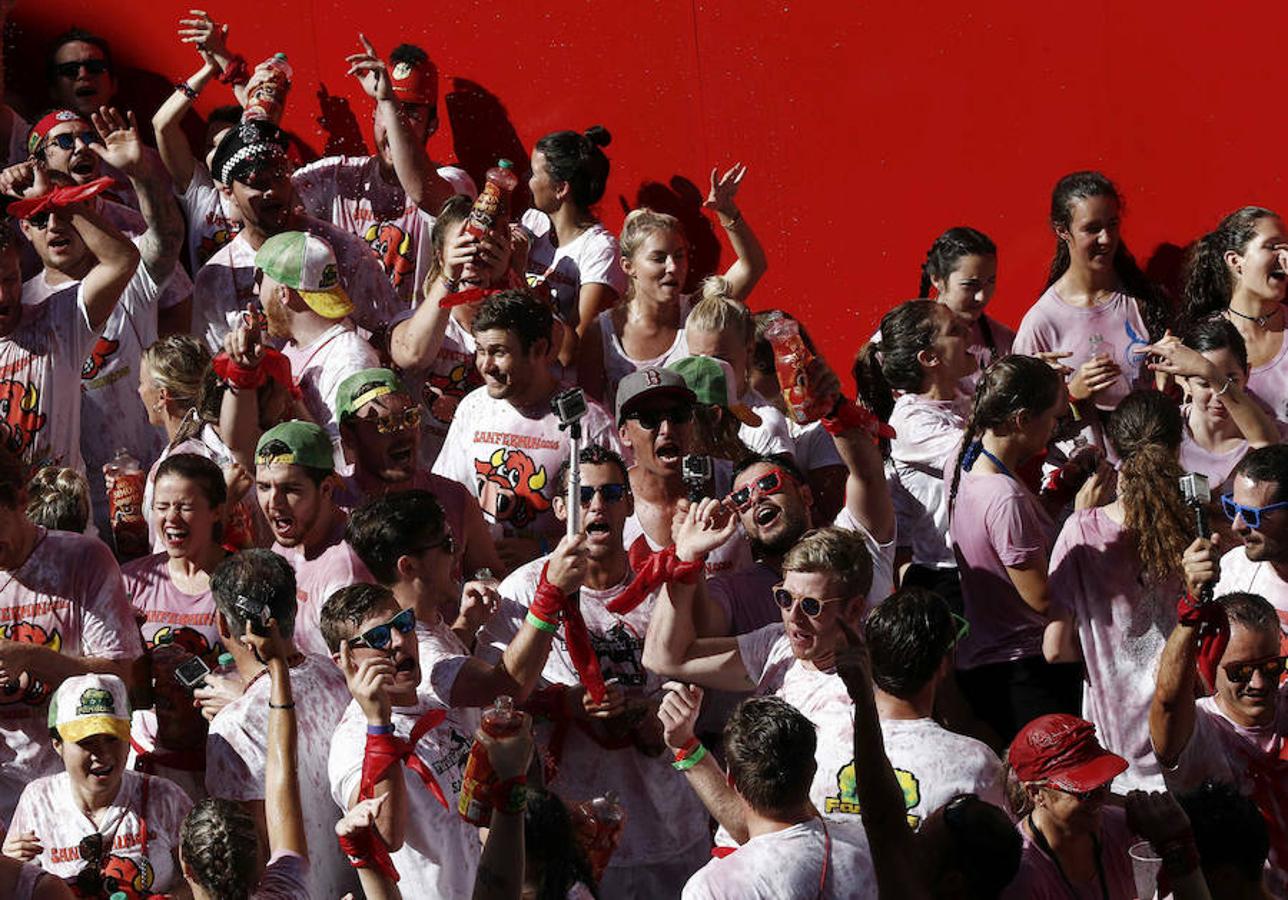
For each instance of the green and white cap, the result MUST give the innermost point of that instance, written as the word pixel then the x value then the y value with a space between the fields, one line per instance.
pixel 86 705
pixel 306 264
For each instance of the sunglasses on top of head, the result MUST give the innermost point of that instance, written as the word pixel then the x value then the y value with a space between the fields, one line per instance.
pixel 772 482
pixel 72 69
pixel 379 637
pixel 1251 515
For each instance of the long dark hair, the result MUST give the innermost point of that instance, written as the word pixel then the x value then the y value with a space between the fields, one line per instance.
pixel 891 364
pixel 548 833
pixel 1208 284
pixel 1154 308
pixel 948 248
pixel 1013 384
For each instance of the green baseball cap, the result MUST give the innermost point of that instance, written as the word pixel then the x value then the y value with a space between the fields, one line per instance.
pixel 295 443
pixel 361 388
pixel 306 264
pixel 711 381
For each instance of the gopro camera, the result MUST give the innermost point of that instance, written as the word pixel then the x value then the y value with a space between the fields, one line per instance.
pixel 192 673
pixel 254 612
pixel 1195 489
pixel 696 473
pixel 569 406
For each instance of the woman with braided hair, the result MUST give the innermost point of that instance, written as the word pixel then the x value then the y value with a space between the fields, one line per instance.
pixel 1002 536
pixel 1115 578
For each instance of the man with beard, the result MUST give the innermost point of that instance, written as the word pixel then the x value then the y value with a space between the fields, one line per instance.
pixel 295 483
pixel 774 504
pixel 378 428
pixel 505 443
pixel 375 643
pixel 1236 735
pixel 255 586
pixel 615 742
pixel 251 167
pixel 306 306
pixel 655 422
pixel 390 199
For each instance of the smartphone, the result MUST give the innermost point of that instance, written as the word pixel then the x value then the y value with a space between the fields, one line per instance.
pixel 192 673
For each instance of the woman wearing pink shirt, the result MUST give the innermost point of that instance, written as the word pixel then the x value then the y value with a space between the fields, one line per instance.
pixel 1002 536
pixel 961 267
pixel 1238 271
pixel 1099 311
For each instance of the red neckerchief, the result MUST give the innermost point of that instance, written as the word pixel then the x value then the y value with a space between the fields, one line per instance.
pixel 59 197
pixel 655 570
pixel 463 298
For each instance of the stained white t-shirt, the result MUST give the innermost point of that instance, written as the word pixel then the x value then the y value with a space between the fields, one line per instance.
pixel 441 387
pixel 559 272
pixel 319 366
pixel 510 461
pixel 351 193
pixel 928 434
pixel 49 809
pixel 1269 382
pixel 316 580
pixel 171 616
pixel 772 434
pixel 1240 574
pixel 67 596
pixel 815 448
pixel 236 754
pixel 1218 467
pixel 212 220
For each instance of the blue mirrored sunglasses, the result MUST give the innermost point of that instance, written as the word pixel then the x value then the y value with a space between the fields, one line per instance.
pixel 378 637
pixel 1251 515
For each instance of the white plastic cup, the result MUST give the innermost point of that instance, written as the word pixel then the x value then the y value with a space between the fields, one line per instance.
pixel 1145 865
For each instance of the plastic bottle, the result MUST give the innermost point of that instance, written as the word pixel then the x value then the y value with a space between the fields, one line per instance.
pixel 124 479
pixel 266 91
pixel 598 823
pixel 475 806
pixel 226 665
pixel 791 361
pixel 494 200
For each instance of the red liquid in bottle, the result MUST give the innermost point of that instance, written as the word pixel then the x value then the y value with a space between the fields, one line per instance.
pixel 493 202
pixel 475 804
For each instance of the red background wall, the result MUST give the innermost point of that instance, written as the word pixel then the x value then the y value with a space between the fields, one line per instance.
pixel 868 128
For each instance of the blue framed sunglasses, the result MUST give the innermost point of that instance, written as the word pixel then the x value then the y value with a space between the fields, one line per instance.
pixel 1250 514
pixel 378 637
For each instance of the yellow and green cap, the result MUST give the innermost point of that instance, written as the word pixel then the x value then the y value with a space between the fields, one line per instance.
pixel 295 443
pixel 86 705
pixel 306 264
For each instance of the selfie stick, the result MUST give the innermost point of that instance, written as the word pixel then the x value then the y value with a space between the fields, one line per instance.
pixel 1197 494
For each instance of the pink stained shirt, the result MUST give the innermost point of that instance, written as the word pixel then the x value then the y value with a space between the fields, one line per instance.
pixel 997 523
pixel 1269 382
pixel 169 614
pixel 1114 327
pixel 316 579
pixel 1039 877
pixel 1122 626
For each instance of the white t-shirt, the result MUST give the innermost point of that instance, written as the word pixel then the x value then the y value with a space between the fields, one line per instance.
pixel 350 193
pixel 510 461
pixel 815 448
pixel 665 821
pixel 212 221
pixel 1269 382
pixel 236 756
pixel 319 366
pixel 440 852
pixel 592 257
pixel 1218 467
pixel 791 863
pixel 772 434
pixel 226 283
pixel 928 436
pixel 67 596
pixel 40 375
pixel 317 579
pixel 49 809
pixel 442 386
pixel 618 364
pixel 1240 574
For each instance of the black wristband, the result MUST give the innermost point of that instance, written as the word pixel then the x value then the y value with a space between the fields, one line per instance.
pixel 186 89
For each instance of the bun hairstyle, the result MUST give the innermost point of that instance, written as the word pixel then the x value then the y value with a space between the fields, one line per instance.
pixel 1154 309
pixel 578 160
pixel 1208 281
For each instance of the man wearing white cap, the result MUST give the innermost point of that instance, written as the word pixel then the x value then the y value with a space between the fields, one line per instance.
pixel 99 824
pixel 305 303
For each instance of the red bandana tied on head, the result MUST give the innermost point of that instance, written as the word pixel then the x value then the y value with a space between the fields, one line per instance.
pixel 41 129
pixel 415 82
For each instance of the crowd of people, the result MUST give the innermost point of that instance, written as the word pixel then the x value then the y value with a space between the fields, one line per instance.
pixel 361 535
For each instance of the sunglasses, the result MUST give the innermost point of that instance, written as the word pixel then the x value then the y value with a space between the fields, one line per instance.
pixel 612 493
pixel 67 141
pixel 72 69
pixel 39 221
pixel 90 881
pixel 1251 515
pixel 1270 668
pixel 378 637
pixel 1082 796
pixel 771 482
pixel 811 606
pixel 392 424
pixel 652 419
pixel 448 543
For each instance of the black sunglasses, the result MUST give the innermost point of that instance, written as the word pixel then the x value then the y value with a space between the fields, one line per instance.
pixel 652 419
pixel 72 69
pixel 67 141
pixel 1270 669
pixel 612 493
pixel 378 637
pixel 39 221
pixel 90 881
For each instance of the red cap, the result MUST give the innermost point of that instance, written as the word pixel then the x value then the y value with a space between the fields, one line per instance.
pixel 1062 751
pixel 41 129
pixel 415 83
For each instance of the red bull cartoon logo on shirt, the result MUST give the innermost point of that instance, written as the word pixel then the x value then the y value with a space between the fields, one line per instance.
pixel 509 487
pixel 392 247
pixel 26 689
pixel 20 415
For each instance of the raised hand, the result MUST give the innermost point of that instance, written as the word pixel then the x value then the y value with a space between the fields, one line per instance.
pixel 1157 817
pixel 1201 564
pixel 724 189
pixel 678 712
pixel 1094 375
pixel 209 36
pixel 244 344
pixel 1174 358
pixel 266 647
pixel 371 71
pixel 479 602
pixel 705 525
pixel 567 567
pixel 510 755
pixel 369 681
pixel 121 148
pixel 25 179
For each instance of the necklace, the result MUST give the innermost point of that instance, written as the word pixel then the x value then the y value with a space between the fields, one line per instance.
pixel 1260 320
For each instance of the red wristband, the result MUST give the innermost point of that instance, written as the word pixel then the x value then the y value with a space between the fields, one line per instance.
pixel 236 73
pixel 847 415
pixel 548 602
pixel 688 749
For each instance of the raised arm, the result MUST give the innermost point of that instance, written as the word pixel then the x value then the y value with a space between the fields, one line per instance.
pixel 867 496
pixel 679 712
pixel 122 149
pixel 368 682
pixel 239 410
pixel 750 264
pixel 416 173
pixel 117 258
pixel 501 867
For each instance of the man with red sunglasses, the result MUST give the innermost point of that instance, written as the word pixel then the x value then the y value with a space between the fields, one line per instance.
pixel 1237 735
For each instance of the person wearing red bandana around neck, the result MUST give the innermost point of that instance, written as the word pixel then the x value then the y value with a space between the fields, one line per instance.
pixel 251 166
pixel 250 588
pixel 1074 844
pixel 1236 735
pixel 99 825
pixel 390 199
pixel 397 744
pixel 597 697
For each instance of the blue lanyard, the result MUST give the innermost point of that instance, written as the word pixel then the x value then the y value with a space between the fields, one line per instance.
pixel 975 451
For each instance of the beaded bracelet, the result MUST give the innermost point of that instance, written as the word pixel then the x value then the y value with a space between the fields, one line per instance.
pixel 539 623
pixel 690 760
pixel 186 89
